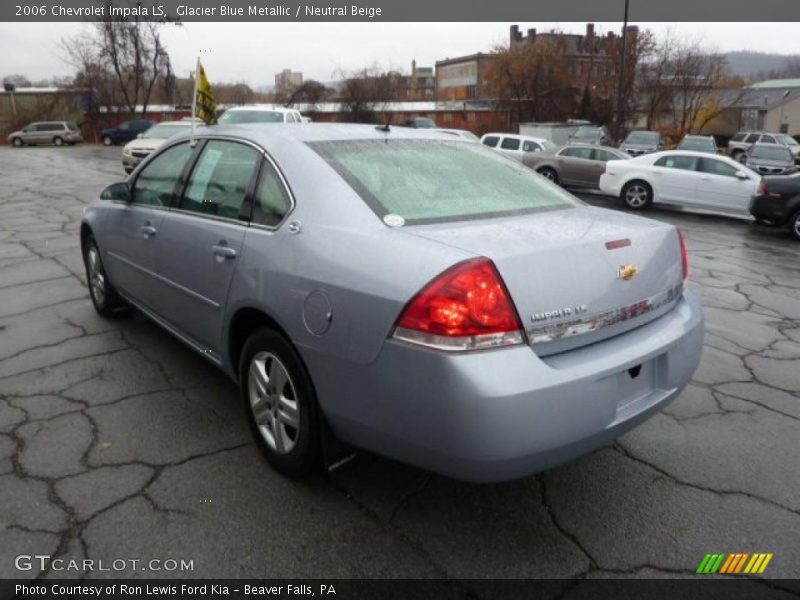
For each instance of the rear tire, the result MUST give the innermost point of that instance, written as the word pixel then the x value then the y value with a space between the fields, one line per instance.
pixel 794 224
pixel 637 195
pixel 104 297
pixel 17 142
pixel 280 403
pixel 58 141
pixel 739 156
pixel 548 173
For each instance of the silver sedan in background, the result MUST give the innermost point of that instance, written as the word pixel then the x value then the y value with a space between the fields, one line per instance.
pixel 422 298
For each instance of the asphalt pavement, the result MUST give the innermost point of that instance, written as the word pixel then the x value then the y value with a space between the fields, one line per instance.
pixel 117 442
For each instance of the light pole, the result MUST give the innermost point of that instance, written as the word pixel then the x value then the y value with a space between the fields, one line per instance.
pixel 621 78
pixel 10 88
pixel 780 119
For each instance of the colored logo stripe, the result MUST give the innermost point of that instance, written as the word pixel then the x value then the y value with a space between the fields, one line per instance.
pixel 734 563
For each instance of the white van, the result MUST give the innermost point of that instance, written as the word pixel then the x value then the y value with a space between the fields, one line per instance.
pixel 515 146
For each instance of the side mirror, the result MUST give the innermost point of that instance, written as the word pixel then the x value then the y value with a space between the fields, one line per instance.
pixel 741 175
pixel 117 191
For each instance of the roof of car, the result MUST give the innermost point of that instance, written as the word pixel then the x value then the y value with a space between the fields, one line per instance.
pixel 315 132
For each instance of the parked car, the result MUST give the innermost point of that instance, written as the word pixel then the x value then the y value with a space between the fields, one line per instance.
pixel 777 203
pixel 740 142
pixel 472 319
pixel 591 134
pixel 770 159
pixel 260 113
pixel 420 123
pixel 515 146
pixel 687 179
pixel 698 143
pixel 459 133
pixel 137 150
pixel 579 166
pixel 642 142
pixel 57 133
pixel 125 132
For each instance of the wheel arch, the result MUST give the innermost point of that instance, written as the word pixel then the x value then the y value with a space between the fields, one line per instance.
pixel 244 321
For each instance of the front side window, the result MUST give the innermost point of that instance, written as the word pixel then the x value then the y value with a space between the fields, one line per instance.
pixel 685 163
pixel 271 200
pixel 219 181
pixel 767 139
pixel 125 126
pixel 491 141
pixel 752 138
pixel 510 144
pixel 577 152
pixel 155 185
pixel 717 167
pixel 428 181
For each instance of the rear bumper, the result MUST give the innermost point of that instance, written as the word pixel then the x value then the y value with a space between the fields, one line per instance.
pixel 500 415
pixel 769 209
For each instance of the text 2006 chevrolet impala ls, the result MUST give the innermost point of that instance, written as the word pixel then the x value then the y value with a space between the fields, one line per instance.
pixel 425 299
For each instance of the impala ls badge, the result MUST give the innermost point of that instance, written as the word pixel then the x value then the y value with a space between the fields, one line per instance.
pixel 627 272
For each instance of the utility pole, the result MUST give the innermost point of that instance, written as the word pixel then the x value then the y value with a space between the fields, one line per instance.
pixel 780 119
pixel 621 78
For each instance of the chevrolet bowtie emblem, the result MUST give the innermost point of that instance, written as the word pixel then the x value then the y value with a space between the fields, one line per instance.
pixel 627 272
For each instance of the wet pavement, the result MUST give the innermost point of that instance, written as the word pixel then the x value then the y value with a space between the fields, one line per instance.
pixel 117 442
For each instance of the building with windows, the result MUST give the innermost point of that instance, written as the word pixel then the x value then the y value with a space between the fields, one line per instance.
pixel 463 78
pixel 287 81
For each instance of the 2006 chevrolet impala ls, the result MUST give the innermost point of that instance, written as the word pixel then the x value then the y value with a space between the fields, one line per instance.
pixel 425 299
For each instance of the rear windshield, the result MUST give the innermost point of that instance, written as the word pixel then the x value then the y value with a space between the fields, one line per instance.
pixel 162 132
pixel 697 144
pixel 642 137
pixel 587 133
pixel 770 152
pixel 233 117
pixel 432 181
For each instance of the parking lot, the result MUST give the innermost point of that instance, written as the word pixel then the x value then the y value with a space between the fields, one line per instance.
pixel 117 442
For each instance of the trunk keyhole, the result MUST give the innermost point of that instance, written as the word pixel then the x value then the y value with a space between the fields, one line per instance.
pixel 634 371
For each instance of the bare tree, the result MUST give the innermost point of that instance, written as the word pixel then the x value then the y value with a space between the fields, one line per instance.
pixel 311 91
pixel 366 92
pixel 129 53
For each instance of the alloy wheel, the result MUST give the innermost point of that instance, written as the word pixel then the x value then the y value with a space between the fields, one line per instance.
pixel 273 401
pixel 97 279
pixel 636 195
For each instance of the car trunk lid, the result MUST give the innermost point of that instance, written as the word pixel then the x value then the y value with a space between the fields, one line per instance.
pixel 576 276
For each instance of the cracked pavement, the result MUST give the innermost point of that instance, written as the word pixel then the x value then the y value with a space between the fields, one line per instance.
pixel 116 441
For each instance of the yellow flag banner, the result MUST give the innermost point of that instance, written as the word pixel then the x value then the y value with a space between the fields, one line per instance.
pixel 205 107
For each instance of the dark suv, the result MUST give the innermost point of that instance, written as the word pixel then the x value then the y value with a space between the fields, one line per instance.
pixel 125 132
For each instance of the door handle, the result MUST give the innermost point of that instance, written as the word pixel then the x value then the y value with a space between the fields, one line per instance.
pixel 224 251
pixel 148 231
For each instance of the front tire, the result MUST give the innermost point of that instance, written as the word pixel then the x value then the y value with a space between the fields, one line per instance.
pixel 794 224
pixel 58 141
pixel 548 173
pixel 17 142
pixel 281 404
pixel 637 195
pixel 107 141
pixel 104 297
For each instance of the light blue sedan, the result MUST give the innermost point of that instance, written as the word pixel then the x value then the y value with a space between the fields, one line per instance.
pixel 419 297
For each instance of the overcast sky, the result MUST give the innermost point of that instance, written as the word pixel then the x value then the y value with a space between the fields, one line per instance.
pixel 254 52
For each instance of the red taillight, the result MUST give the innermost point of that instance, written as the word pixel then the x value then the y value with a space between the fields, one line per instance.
pixel 465 308
pixel 762 189
pixel 684 254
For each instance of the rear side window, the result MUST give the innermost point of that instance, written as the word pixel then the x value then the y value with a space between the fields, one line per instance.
pixel 491 141
pixel 686 163
pixel 510 144
pixel 530 147
pixel 738 137
pixel 429 181
pixel 220 179
pixel 271 200
pixel 752 138
pixel 155 185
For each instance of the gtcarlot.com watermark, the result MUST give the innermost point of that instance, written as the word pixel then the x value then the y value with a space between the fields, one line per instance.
pixel 44 562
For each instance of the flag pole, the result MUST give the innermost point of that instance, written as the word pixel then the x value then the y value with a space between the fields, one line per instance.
pixel 194 94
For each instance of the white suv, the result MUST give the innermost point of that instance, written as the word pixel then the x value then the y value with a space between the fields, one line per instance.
pixel 515 146
pixel 260 113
